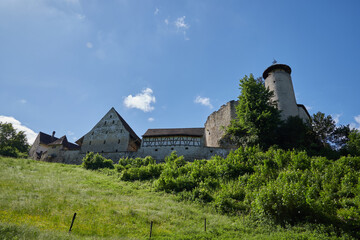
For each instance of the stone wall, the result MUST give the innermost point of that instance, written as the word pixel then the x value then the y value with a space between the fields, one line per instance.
pixel 190 153
pixel 217 122
pixel 108 135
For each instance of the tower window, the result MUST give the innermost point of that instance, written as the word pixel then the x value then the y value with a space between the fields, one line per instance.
pixel 90 143
pixel 113 121
pixel 104 141
pixel 105 123
pixel 156 150
pixel 119 141
pixel 110 116
pixel 116 150
pixel 92 133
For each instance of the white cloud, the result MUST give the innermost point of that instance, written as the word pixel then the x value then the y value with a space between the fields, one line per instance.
pixel 89 45
pixel 22 101
pixel 357 124
pixel 182 26
pixel 141 101
pixel 357 119
pixel 30 134
pixel 156 11
pixel 166 21
pixel 151 119
pixel 180 23
pixel 336 118
pixel 70 133
pixel 203 101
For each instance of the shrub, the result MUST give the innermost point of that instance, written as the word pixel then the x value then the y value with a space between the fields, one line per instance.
pixel 96 161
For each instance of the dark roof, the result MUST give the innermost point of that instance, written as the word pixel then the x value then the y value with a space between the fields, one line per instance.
pixel 284 67
pixel 127 127
pixel 63 141
pixel 46 138
pixel 161 132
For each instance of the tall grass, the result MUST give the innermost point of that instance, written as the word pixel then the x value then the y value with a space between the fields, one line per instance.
pixel 38 200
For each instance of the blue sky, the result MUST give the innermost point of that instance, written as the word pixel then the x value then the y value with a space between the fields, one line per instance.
pixel 164 64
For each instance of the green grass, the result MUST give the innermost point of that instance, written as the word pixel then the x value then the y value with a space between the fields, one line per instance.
pixel 38 200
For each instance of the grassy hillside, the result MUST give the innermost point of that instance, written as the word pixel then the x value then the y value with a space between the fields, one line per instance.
pixel 38 200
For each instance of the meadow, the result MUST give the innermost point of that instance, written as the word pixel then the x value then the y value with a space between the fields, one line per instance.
pixel 38 200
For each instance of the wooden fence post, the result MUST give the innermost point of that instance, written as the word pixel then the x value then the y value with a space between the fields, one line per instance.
pixel 151 225
pixel 72 222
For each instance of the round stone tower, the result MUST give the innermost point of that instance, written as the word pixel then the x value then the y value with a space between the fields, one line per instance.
pixel 277 79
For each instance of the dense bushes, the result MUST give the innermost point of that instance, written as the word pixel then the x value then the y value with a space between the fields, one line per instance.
pixel 138 168
pixel 284 187
pixel 96 161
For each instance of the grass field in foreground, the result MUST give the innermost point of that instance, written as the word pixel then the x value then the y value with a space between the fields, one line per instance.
pixel 38 200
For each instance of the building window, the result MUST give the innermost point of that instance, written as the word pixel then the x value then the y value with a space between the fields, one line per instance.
pixel 105 123
pixel 172 148
pixel 110 116
pixel 107 132
pixel 113 121
pixel 116 150
pixel 102 151
pixel 156 150
pixel 90 143
pixel 119 141
pixel 120 130
pixel 186 148
pixel 92 133
pixel 104 141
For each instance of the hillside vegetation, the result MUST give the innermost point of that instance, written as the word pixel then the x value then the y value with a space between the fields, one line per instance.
pixel 249 195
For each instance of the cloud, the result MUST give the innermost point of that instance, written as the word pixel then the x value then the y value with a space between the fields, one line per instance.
pixel 22 101
pixel 89 45
pixel 30 134
pixel 156 12
pixel 141 101
pixel 166 21
pixel 336 118
pixel 357 119
pixel 151 119
pixel 180 23
pixel 203 101
pixel 182 26
pixel 357 124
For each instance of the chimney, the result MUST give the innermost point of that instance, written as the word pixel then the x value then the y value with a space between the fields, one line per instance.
pixel 53 136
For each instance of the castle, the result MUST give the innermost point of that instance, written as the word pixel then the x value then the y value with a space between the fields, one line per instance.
pixel 113 138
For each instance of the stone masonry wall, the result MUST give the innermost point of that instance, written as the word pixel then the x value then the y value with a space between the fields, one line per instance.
pixel 217 121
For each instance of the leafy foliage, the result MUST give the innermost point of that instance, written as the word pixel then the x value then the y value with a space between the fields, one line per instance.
pixel 257 116
pixel 284 187
pixel 353 145
pixel 12 143
pixel 96 161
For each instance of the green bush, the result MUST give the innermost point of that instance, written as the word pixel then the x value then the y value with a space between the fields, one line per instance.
pixel 96 161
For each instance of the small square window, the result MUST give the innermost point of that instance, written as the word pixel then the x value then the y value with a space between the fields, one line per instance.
pixel 113 121
pixel 104 141
pixel 156 150
pixel 105 123
pixel 90 143
pixel 110 116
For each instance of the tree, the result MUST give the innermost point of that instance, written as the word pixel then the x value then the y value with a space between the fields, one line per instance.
pixel 323 126
pixel 294 133
pixel 12 143
pixel 353 145
pixel 257 115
